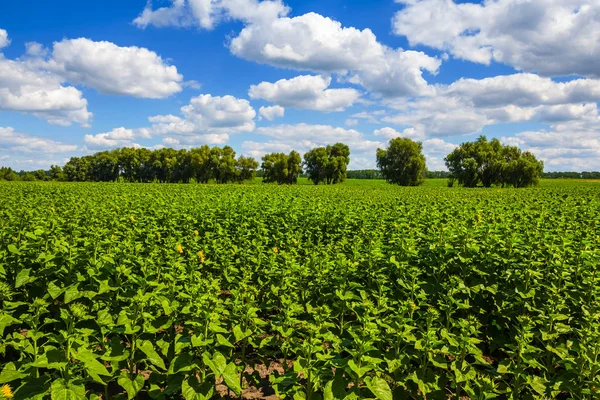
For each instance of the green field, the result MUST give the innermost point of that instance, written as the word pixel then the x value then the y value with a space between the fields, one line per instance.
pixel 359 290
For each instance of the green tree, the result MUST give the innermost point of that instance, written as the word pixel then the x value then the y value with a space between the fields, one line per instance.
pixel 485 163
pixel 7 174
pixel 403 162
pixel 56 173
pixel 40 175
pixel 76 169
pixel 246 168
pixel 327 164
pixel 28 177
pixel 200 164
pixel 281 168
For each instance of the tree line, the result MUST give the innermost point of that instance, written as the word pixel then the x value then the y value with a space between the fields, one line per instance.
pixel 478 163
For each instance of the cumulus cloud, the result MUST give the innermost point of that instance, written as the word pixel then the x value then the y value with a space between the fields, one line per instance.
pixel 118 137
pixel 305 92
pixel 108 68
pixel 205 120
pixel 467 105
pixel 207 13
pixel 270 113
pixel 550 38
pixel 391 133
pixel 309 42
pixel 524 90
pixel 317 43
pixel 21 143
pixel 566 145
pixel 4 40
pixel 303 137
pixel 27 89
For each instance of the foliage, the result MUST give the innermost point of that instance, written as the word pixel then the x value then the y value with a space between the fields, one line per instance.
pixel 572 175
pixel 163 165
pixel 327 164
pixel 489 162
pixel 364 174
pixel 370 291
pixel 281 168
pixel 403 162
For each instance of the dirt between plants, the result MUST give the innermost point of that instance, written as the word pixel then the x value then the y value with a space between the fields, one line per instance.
pixel 264 391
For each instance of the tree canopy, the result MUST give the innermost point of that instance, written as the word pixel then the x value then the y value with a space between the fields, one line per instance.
pixel 327 164
pixel 281 168
pixel 486 163
pixel 164 165
pixel 403 162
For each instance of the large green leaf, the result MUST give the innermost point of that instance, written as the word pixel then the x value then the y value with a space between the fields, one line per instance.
pixel 131 386
pixel 231 378
pixel 192 390
pixel 91 363
pixel 379 387
pixel 151 355
pixel 63 390
pixel 9 373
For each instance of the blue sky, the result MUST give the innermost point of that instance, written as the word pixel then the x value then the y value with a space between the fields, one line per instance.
pixel 80 77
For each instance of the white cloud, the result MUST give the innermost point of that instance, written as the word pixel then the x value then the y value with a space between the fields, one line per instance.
pixel 566 146
pixel 309 42
pixel 206 118
pixel 551 38
pixel 316 43
pixel 351 122
pixel 118 137
pixel 207 13
pixel 390 133
pixel 303 137
pixel 524 90
pixel 305 92
pixel 29 90
pixel 17 143
pixel 133 71
pixel 4 40
pixel 270 113
pixel 259 149
pixel 468 105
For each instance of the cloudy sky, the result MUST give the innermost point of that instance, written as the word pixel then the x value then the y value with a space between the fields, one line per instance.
pixel 77 77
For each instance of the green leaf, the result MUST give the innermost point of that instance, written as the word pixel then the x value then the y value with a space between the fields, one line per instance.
pixel 192 390
pixel 231 378
pixel 92 365
pixel 379 387
pixel 9 373
pixel 537 384
pixel 358 371
pixel 54 291
pixel 131 386
pixel 217 364
pixel 13 249
pixel 238 333
pixel 6 320
pixel 23 278
pixel 72 293
pixel 222 341
pixel 63 390
pixel 151 354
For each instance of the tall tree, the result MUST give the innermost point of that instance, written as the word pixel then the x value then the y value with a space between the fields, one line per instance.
pixel 403 162
pixel 281 168
pixel 245 168
pixel 327 164
pixel 489 162
pixel 200 164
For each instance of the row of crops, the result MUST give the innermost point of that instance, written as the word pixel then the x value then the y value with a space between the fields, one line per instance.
pixel 116 291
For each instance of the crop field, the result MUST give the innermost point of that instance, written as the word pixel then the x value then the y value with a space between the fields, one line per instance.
pixel 123 291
